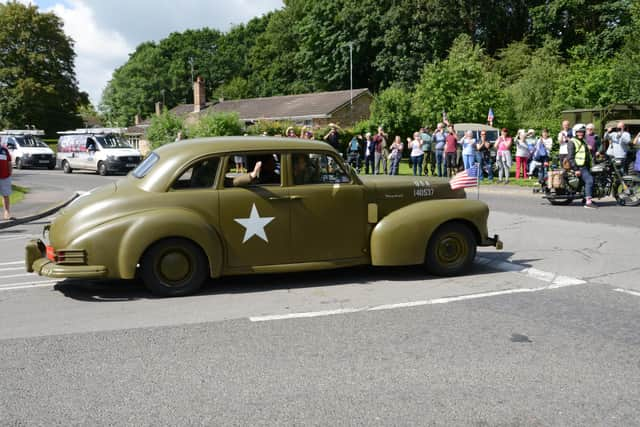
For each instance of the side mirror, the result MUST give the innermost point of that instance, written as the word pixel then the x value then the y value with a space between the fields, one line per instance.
pixel 11 146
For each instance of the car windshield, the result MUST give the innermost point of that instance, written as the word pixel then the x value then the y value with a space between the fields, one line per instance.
pixel 143 168
pixel 112 141
pixel 30 141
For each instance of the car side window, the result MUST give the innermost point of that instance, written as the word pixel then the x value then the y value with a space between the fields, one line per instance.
pixel 201 174
pixel 312 168
pixel 253 170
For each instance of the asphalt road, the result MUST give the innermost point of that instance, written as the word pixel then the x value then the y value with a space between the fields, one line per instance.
pixel 542 333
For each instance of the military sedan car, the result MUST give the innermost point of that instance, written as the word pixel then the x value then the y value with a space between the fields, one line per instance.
pixel 190 212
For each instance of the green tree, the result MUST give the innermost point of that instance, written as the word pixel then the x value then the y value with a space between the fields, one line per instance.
pixel 462 85
pixel 533 95
pixel 216 124
pixel 598 26
pixel 37 79
pixel 164 129
pixel 393 109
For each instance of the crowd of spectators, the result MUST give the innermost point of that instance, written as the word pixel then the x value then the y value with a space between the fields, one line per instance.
pixel 443 151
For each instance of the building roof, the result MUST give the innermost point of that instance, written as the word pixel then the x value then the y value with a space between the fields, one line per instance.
pixel 303 106
pixel 319 105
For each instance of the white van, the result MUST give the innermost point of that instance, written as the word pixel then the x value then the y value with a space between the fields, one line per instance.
pixel 27 148
pixel 102 150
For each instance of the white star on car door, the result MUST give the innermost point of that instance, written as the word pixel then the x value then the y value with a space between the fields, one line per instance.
pixel 254 225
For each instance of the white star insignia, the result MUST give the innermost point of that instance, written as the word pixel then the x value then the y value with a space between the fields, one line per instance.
pixel 254 225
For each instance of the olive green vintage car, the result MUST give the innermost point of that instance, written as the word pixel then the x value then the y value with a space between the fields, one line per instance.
pixel 213 207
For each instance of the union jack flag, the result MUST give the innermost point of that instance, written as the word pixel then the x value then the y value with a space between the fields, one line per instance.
pixel 466 178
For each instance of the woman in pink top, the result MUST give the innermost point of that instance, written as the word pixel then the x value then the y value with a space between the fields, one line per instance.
pixel 503 155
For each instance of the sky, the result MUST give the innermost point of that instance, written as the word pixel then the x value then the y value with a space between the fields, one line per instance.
pixel 106 32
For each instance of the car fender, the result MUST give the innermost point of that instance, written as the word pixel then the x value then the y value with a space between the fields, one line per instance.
pixel 149 227
pixel 401 237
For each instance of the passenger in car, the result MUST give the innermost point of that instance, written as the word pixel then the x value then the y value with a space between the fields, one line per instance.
pixel 303 172
pixel 264 172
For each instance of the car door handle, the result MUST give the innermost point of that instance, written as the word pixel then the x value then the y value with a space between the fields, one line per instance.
pixel 295 197
pixel 276 198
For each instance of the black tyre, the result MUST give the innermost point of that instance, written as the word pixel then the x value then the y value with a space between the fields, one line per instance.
pixel 631 197
pixel 174 267
pixel 451 250
pixel 19 164
pixel 560 202
pixel 66 168
pixel 102 169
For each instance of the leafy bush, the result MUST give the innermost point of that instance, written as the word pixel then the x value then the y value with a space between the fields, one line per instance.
pixel 271 128
pixel 216 124
pixel 393 109
pixel 164 129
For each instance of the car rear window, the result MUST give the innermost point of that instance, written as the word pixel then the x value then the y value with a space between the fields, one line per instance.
pixel 147 164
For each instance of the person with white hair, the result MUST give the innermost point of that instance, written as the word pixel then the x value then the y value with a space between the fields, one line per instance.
pixel 468 150
pixel 522 154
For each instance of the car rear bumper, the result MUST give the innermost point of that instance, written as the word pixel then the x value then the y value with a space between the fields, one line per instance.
pixel 37 262
pixel 493 241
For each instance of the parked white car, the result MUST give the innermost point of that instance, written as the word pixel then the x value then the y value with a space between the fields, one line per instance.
pixel 27 148
pixel 101 150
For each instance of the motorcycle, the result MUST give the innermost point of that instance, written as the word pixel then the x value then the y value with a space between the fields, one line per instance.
pixel 561 187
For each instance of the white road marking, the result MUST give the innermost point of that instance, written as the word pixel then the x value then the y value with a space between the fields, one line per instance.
pixel 12 263
pixel 12 268
pixel 17 275
pixel 21 237
pixel 393 306
pixel 554 281
pixel 626 291
pixel 24 285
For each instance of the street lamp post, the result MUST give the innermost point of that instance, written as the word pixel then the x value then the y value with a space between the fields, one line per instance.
pixel 351 74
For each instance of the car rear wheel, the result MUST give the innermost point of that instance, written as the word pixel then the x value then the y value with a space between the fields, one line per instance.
pixel 174 267
pixel 102 169
pixel 451 250
pixel 66 168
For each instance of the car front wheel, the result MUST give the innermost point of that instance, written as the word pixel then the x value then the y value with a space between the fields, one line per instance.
pixel 451 250
pixel 66 168
pixel 174 267
pixel 19 164
pixel 102 169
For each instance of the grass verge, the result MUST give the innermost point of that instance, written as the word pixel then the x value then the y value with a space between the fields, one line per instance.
pixel 17 194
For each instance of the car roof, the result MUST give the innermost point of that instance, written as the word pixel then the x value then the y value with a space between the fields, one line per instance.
pixel 473 126
pixel 226 144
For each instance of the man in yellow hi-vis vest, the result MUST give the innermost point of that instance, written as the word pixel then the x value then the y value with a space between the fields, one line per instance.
pixel 580 160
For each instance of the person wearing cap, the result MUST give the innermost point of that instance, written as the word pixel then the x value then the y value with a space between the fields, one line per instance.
pixel 291 132
pixel 522 154
pixel 439 141
pixel 579 157
pixel 333 137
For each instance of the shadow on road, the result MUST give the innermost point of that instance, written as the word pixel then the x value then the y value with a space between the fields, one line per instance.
pixel 131 290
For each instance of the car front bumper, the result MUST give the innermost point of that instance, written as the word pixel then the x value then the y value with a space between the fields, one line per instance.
pixel 38 162
pixel 119 165
pixel 493 241
pixel 36 261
